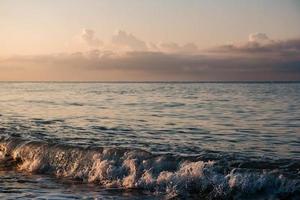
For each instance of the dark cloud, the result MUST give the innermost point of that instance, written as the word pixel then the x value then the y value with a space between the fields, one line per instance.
pixel 162 66
pixel 260 45
pixel 261 58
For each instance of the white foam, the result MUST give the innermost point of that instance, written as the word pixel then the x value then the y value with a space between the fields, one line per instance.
pixel 125 168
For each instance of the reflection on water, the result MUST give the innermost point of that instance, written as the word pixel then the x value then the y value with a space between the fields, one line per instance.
pixel 215 140
pixel 16 185
pixel 257 119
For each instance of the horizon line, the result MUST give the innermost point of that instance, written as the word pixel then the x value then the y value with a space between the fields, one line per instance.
pixel 149 82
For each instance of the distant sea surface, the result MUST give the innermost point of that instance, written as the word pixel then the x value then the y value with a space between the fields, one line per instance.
pixel 150 140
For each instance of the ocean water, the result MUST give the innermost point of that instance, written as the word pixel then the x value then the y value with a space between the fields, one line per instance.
pixel 150 140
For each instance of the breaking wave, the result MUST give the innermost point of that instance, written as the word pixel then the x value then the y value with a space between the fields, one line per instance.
pixel 174 176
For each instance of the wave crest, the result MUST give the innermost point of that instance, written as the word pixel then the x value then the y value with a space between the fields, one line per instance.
pixel 138 169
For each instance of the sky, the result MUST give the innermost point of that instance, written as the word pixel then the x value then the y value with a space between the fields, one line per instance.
pixel 149 40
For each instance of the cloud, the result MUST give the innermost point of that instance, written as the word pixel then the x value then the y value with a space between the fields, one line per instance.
pixel 89 38
pixel 159 66
pixel 259 38
pixel 254 60
pixel 128 41
pixel 123 41
pixel 261 44
pixel 176 48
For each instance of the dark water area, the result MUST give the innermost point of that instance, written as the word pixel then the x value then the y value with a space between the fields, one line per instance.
pixel 150 140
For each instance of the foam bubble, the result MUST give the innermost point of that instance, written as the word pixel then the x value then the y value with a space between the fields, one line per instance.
pixel 138 169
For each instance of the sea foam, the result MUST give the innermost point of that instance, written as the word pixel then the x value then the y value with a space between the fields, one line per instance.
pixel 161 174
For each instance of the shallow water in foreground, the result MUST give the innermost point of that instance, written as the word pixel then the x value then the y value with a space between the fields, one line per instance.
pixel 158 140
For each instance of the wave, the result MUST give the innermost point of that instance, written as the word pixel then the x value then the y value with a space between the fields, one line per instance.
pixel 175 176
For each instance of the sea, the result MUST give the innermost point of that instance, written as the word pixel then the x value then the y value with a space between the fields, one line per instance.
pixel 163 140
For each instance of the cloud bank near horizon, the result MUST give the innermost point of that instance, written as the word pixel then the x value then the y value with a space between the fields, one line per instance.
pixel 128 58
